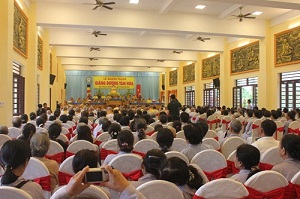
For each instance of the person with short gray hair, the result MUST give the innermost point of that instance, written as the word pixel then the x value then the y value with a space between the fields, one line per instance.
pixel 39 145
pixel 234 129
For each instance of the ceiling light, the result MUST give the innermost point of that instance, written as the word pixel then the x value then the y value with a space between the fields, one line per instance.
pixel 200 7
pixel 257 13
pixel 134 1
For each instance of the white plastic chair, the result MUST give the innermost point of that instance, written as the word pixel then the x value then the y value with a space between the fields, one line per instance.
pixel 3 139
pixel 160 189
pixel 72 124
pixel 154 135
pixel 212 142
pixel 103 137
pixel 66 132
pixel 279 131
pixel 231 169
pixel 270 158
pixel 179 144
pixel 211 134
pixel 107 148
pixel 90 192
pixel 295 181
pixel 194 118
pixel 222 188
pixel 266 181
pixel 231 144
pixel 180 134
pixel 145 145
pixel 212 162
pixel 211 121
pixel 177 154
pixel 294 128
pixel 66 125
pixel 64 138
pixel 225 123
pixel 78 145
pixel 56 152
pixel 13 193
pixel 14 132
pixel 65 171
pixel 36 169
pixel 149 130
pixel 129 164
pixel 255 131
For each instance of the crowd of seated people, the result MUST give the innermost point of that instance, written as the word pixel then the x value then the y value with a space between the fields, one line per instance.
pixel 129 124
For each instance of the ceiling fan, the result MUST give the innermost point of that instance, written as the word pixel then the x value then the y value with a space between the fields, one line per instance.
pixel 92 59
pixel 203 39
pixel 100 4
pixel 97 33
pixel 242 16
pixel 94 48
pixel 177 52
pixel 160 60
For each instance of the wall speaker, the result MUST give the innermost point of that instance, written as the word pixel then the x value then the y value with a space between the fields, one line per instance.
pixel 65 85
pixel 52 78
pixel 163 87
pixel 216 83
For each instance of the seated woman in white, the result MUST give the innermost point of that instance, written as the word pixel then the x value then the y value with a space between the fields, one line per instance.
pixel 15 155
pixel 125 143
pixel 185 177
pixel 289 150
pixel 247 159
pixel 152 162
pixel 194 134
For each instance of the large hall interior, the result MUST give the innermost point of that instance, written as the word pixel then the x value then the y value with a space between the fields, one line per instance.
pixel 145 88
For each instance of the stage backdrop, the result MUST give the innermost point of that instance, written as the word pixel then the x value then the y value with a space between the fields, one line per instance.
pixel 77 82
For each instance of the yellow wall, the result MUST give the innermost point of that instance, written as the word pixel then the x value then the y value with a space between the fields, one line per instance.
pixel 268 74
pixel 29 70
pixel 6 35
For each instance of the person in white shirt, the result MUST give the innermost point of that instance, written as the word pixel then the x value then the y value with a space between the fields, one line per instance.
pixel 266 140
pixel 250 107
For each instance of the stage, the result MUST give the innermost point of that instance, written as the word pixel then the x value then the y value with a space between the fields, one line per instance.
pixel 116 103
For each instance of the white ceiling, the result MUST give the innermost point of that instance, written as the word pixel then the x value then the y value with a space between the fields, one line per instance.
pixel 139 35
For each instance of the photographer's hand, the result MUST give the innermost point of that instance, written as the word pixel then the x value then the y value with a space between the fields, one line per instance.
pixel 75 185
pixel 116 181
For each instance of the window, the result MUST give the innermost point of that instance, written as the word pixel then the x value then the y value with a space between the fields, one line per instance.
pixel 245 89
pixel 290 90
pixel 18 90
pixel 190 95
pixel 211 95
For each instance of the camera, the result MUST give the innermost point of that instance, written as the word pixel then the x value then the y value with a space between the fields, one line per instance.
pixel 95 175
